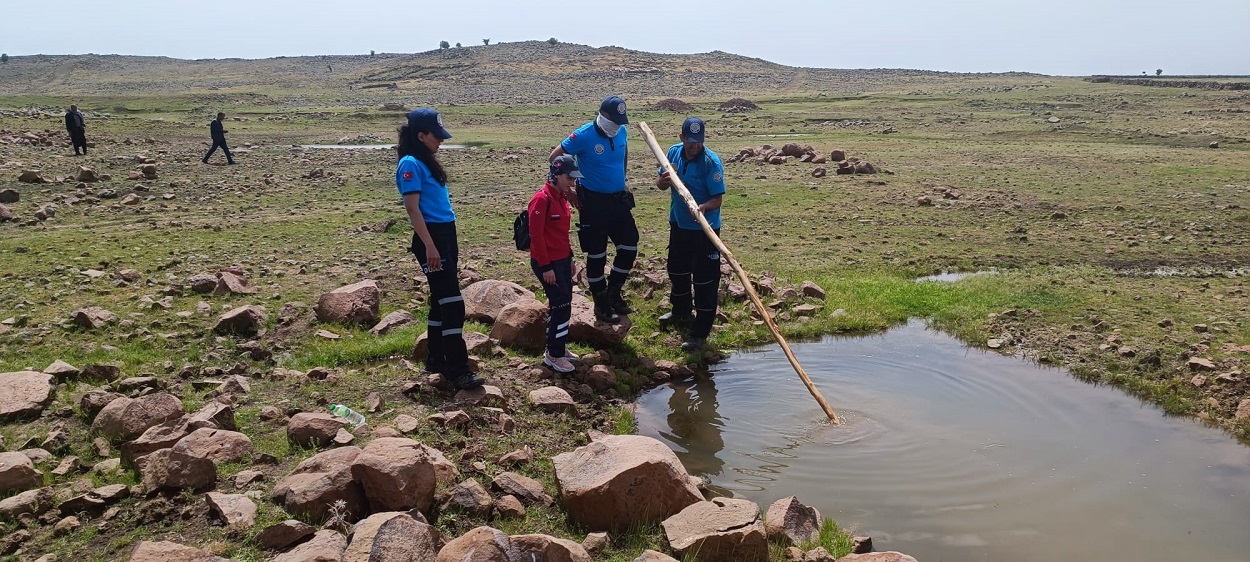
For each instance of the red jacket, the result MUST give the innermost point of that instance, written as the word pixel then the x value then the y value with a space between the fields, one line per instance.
pixel 550 217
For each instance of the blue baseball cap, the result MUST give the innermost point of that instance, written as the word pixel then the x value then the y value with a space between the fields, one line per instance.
pixel 692 129
pixel 565 164
pixel 613 107
pixel 426 120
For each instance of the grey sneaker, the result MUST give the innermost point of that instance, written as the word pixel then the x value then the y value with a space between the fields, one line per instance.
pixel 558 364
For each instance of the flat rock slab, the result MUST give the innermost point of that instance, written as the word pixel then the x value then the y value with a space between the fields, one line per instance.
pixel 24 394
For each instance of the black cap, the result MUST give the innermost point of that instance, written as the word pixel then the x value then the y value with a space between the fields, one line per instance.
pixel 565 164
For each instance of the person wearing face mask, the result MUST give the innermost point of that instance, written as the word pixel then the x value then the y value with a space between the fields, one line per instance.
pixel 604 205
pixel 422 182
pixel 551 257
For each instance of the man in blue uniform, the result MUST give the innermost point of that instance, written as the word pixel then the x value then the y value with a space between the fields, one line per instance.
pixel 218 131
pixel 604 204
pixel 693 261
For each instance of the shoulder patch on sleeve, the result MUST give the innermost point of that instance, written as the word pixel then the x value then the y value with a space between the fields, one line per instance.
pixel 407 174
pixel 717 176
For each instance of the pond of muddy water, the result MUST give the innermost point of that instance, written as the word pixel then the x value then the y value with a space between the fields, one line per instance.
pixel 953 453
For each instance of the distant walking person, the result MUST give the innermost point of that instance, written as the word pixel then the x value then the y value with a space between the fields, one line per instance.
pixel 77 127
pixel 422 182
pixel 603 203
pixel 218 131
pixel 551 256
pixel 693 261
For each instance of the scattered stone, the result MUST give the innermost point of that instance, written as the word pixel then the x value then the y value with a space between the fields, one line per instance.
pixel 484 300
pixel 217 445
pixel 319 481
pixel 621 481
pixel 594 543
pixel 35 502
pixel 468 497
pixel 546 547
pixel 243 321
pixel 483 544
pixel 282 535
pixel 18 473
pixel 724 529
pixel 314 429
pixel 522 324
pixel 789 521
pixel 522 487
pixel 24 394
pixel 353 304
pixel 518 457
pixel 237 511
pixel 325 545
pixel 888 556
pixel 93 317
pixel 485 395
pixel 653 556
pixel 393 536
pixel 167 469
pixel 396 474
pixel 391 321
pixel 552 399
pixel 124 419
pixel 229 283
pixel 509 507
pixel 1200 364
pixel 406 423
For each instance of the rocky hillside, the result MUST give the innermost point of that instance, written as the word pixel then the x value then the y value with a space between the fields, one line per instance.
pixel 523 72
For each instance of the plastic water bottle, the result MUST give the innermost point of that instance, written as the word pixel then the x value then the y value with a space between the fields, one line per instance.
pixel 352 416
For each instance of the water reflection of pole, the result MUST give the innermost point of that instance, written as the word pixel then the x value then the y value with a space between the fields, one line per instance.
pixel 695 426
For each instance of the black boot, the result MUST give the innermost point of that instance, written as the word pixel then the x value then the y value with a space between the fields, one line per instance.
pixel 676 320
pixel 617 301
pixel 603 309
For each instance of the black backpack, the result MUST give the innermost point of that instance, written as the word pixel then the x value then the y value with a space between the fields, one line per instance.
pixel 521 230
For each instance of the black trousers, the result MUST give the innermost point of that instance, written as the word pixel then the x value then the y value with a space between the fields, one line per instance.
pixel 224 148
pixel 79 138
pixel 694 263
pixel 604 217
pixel 445 320
pixel 559 303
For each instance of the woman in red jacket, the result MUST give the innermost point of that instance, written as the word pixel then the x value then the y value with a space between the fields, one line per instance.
pixel 551 257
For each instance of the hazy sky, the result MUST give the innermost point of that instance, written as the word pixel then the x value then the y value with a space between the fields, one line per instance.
pixel 1068 37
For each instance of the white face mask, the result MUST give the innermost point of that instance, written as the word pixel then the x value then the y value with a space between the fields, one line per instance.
pixel 607 125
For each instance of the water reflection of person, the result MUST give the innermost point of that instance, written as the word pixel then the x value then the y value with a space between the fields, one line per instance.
pixel 695 426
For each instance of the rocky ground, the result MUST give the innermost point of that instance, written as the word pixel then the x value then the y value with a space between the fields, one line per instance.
pixel 173 333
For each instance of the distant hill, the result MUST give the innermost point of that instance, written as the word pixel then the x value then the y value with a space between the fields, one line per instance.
pixel 522 72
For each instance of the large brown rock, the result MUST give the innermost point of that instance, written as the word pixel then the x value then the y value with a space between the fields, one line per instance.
pixel 584 328
pixel 524 488
pixel 483 544
pixel 396 474
pixel 319 481
pixel 468 497
pixel 24 394
pixel 230 283
pixel 354 304
pixel 18 473
pixel 484 300
pixel 95 400
pixel 124 419
pixel 789 521
pixel 888 556
pixel 393 537
pixel 243 321
pixel 327 545
pixel 166 469
pixel 237 511
pixel 314 429
pixel 35 502
pixel 653 556
pixel 93 317
pixel 281 535
pixel 721 530
pixel 165 551
pixel 548 549
pixel 552 399
pixel 621 481
pixel 217 445
pixel 160 436
pixel 522 324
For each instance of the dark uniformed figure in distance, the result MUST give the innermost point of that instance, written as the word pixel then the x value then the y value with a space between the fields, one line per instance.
pixel 76 125
pixel 218 131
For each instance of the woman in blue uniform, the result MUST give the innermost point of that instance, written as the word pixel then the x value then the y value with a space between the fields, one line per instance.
pixel 422 182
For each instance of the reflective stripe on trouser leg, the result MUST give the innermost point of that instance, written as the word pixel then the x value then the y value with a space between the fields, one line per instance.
pixel 624 233
pixel 560 298
pixel 446 302
pixel 594 241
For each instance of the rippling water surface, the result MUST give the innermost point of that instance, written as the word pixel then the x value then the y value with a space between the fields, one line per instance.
pixel 951 453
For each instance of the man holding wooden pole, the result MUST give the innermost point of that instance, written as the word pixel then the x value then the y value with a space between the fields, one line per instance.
pixel 693 260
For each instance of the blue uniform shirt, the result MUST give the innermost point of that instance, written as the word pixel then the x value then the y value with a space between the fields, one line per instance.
pixel 600 159
pixel 704 178
pixel 411 176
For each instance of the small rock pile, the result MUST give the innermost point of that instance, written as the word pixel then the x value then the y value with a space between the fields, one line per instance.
pixel 768 154
pixel 737 105
pixel 28 138
pixel 671 104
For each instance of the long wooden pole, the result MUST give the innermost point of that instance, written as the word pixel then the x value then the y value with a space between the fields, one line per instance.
pixel 681 190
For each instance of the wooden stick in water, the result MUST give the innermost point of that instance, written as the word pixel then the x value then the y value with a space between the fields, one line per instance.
pixel 746 281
